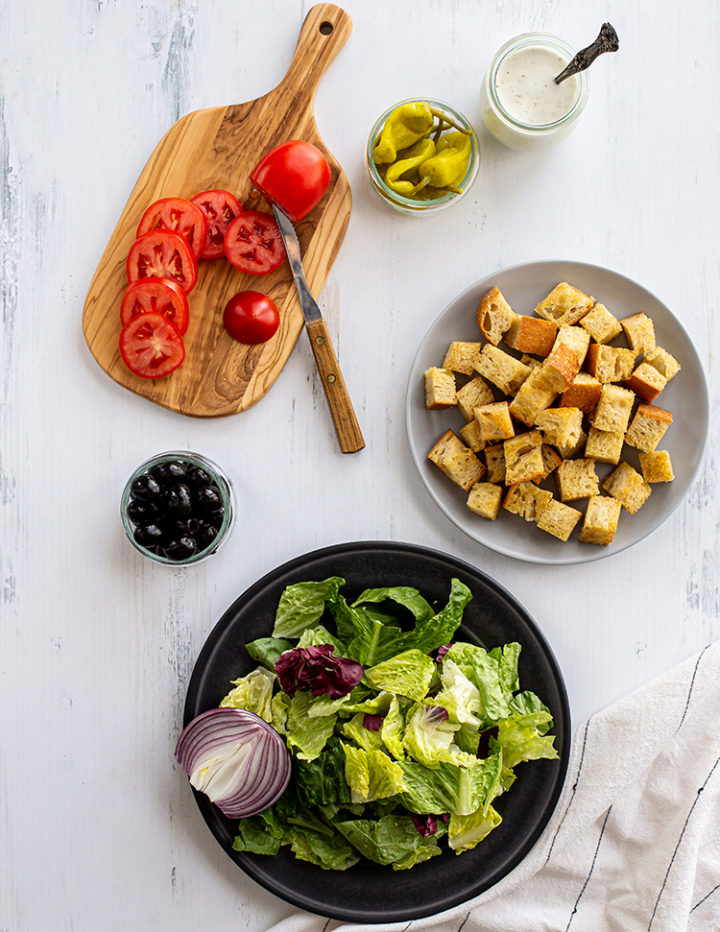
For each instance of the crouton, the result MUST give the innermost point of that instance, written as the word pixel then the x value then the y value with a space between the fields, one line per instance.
pixel 561 427
pixel 565 305
pixel 534 395
pixel 646 382
pixel 470 434
pixel 561 367
pixel 484 499
pixel 503 370
pixel 576 339
pixel 523 458
pixel 494 421
pixel 551 459
pixel 648 427
pixel 462 357
pixel 661 360
pixel 601 324
pixel 576 479
pixel 605 446
pixel 531 335
pixel 639 332
pixel 456 461
pixel 494 316
pixel 494 457
pixel 584 393
pixel 439 388
pixel 656 466
pixel 527 500
pixel 601 520
pixel 609 363
pixel 558 519
pixel 474 393
pixel 627 486
pixel 530 361
pixel 613 409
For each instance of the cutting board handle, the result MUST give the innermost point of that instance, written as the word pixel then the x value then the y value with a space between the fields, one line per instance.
pixel 324 32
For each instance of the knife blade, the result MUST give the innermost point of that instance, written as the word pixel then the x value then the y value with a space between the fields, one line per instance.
pixel 343 416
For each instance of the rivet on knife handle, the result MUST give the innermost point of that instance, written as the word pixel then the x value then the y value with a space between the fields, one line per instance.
pixel 346 426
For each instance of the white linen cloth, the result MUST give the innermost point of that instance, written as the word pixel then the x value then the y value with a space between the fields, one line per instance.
pixel 634 843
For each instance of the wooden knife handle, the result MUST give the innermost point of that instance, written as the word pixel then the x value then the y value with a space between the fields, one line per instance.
pixel 346 426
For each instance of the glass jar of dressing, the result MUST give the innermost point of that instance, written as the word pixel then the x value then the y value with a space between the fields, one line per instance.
pixel 522 106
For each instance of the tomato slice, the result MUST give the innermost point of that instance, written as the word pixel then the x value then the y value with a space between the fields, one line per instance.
pixel 151 347
pixel 156 296
pixel 253 243
pixel 162 254
pixel 220 209
pixel 175 213
pixel 251 317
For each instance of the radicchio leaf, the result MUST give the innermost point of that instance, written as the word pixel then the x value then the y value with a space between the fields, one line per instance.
pixel 425 824
pixel 318 670
pixel 441 651
pixel 373 722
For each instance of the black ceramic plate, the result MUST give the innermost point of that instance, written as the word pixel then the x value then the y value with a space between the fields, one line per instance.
pixel 368 892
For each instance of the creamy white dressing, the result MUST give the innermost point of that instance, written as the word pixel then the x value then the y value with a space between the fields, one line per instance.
pixel 526 88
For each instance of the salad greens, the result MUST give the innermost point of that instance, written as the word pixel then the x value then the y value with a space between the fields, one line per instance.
pixel 399 736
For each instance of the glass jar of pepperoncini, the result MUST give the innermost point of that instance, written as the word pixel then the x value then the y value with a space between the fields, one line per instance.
pixel 422 156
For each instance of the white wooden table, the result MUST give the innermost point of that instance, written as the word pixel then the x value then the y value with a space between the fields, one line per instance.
pixel 98 829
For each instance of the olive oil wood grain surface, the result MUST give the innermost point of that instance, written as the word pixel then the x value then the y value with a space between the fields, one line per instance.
pixel 217 148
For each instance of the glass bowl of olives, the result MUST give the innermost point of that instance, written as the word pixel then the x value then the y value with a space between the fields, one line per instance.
pixel 177 508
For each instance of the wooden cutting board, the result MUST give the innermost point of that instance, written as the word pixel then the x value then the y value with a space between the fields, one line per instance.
pixel 217 148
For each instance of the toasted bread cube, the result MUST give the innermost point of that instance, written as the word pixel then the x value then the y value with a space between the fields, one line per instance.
pixel 551 459
pixel 584 393
pixel 527 500
pixel 605 446
pixel 495 462
pixel 639 332
pixel 565 305
pixel 601 324
pixel 609 363
pixel 470 434
pixel 501 369
pixel 656 466
pixel 439 388
pixel 646 382
pixel 474 393
pixel 456 461
pixel 561 427
pixel 576 479
pixel 576 339
pixel 601 520
pixel 558 519
pixel 462 357
pixel 494 421
pixel 531 335
pixel 665 364
pixel 523 458
pixel 531 362
pixel 648 427
pixel 534 395
pixel 494 316
pixel 573 447
pixel 484 499
pixel 613 409
pixel 627 485
pixel 561 367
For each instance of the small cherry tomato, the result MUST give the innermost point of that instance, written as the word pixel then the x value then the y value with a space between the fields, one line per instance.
pixel 253 243
pixel 251 317
pixel 156 296
pixel 220 209
pixel 151 347
pixel 175 213
pixel 162 254
pixel 293 175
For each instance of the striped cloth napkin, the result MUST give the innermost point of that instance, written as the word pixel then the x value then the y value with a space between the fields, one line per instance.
pixel 634 844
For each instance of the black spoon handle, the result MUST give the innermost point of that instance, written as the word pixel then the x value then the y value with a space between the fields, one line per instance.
pixel 607 41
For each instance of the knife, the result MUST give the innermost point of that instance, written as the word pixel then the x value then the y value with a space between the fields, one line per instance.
pixel 346 426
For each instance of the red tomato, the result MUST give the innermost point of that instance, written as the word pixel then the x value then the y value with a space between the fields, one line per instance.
pixel 253 243
pixel 175 213
pixel 150 346
pixel 251 317
pixel 220 209
pixel 156 296
pixel 162 254
pixel 293 175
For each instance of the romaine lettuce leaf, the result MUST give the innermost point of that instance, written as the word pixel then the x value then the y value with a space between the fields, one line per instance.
pixel 507 658
pixel 407 674
pixel 303 604
pixel 280 706
pixel 429 736
pixel 464 832
pixel 355 730
pixel 483 671
pixel 306 735
pixel 433 632
pixel 527 709
pixel 267 650
pixel 252 692
pixel 313 637
pixel 321 782
pixel 389 840
pixel 329 852
pixel 393 729
pixel 371 774
pixel 459 695
pixel 523 743
pixel 450 788
pixel 254 837
pixel 406 596
pixel 369 640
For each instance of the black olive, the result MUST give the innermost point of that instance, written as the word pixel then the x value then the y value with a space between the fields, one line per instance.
pixel 146 489
pixel 196 476
pixel 206 536
pixel 168 473
pixel 216 518
pixel 141 512
pixel 181 548
pixel 149 534
pixel 178 501
pixel 208 500
pixel 189 525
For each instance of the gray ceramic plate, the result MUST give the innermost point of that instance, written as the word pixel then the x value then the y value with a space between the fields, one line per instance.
pixel 686 396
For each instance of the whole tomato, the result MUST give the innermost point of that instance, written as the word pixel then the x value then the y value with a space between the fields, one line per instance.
pixel 293 175
pixel 251 317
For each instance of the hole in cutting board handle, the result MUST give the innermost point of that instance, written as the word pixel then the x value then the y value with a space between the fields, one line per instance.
pixel 326 28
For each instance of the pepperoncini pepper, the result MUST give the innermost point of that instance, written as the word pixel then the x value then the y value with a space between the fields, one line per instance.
pixel 413 157
pixel 406 125
pixel 447 168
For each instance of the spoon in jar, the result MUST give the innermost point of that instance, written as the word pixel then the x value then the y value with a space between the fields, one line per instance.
pixel 607 41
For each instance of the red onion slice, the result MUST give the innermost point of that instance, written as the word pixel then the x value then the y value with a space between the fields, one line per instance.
pixel 235 758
